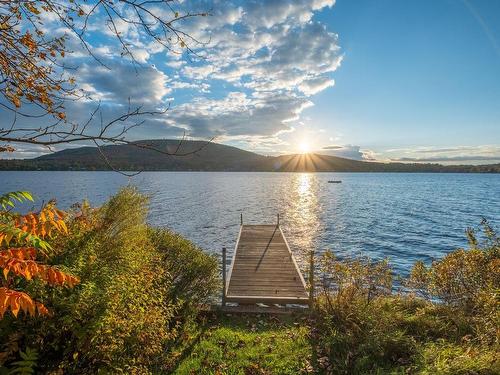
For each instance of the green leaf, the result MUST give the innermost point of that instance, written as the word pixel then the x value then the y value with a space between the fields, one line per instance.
pixel 27 365
pixel 8 199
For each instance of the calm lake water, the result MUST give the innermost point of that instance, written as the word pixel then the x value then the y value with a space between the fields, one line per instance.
pixel 404 217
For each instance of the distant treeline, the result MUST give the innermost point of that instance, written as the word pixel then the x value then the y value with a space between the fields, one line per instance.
pixel 216 157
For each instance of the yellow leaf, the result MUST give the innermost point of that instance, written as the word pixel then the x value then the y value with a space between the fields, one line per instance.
pixel 14 304
pixel 62 224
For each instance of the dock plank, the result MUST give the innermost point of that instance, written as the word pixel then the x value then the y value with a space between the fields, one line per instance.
pixel 263 268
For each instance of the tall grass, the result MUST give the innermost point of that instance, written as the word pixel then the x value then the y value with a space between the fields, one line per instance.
pixel 448 324
pixel 129 308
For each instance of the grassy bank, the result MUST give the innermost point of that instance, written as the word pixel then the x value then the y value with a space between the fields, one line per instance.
pixel 245 344
pixel 445 322
pixel 402 335
pixel 393 335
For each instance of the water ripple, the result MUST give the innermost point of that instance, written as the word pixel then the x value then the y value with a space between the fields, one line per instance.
pixel 404 217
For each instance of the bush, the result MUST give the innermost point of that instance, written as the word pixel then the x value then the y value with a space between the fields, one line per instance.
pixel 468 280
pixel 354 334
pixel 128 308
pixel 25 252
pixel 194 273
pixel 350 279
pixel 363 328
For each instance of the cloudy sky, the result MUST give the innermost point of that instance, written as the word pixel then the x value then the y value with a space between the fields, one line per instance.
pixel 373 80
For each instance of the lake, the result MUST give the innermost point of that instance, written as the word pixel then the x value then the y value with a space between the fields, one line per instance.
pixel 405 217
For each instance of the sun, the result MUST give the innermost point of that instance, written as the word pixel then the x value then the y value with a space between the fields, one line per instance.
pixel 304 148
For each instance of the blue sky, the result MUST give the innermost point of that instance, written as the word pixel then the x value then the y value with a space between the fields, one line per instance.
pixel 373 80
pixel 415 75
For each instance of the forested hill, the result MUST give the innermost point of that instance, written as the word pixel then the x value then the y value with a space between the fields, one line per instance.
pixel 214 157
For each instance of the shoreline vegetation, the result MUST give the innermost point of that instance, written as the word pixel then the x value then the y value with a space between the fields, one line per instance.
pixel 134 305
pixel 203 156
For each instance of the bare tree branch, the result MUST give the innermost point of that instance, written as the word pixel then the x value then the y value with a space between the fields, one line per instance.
pixel 33 73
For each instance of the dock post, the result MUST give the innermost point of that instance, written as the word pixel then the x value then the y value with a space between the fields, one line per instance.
pixel 223 276
pixel 311 280
pixel 241 218
pixel 278 219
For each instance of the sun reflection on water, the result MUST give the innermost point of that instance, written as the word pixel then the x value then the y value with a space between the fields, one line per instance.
pixel 303 213
pixel 304 184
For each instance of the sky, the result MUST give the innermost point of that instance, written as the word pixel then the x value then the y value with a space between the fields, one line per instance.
pixel 383 80
pixel 420 80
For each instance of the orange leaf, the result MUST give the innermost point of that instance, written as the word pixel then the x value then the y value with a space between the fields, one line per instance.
pixel 14 304
pixel 42 310
pixel 17 301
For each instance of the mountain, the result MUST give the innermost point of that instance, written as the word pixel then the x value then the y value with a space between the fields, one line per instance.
pixel 200 156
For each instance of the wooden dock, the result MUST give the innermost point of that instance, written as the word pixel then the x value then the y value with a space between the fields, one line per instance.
pixel 263 269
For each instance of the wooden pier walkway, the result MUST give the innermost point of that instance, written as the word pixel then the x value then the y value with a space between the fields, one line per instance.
pixel 263 269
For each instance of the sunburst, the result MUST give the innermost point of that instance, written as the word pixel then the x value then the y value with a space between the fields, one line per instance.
pixel 304 148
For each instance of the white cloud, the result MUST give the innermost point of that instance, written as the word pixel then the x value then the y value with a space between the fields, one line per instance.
pixel 315 85
pixel 143 84
pixel 238 115
pixel 348 151
pixel 270 13
pixel 263 62
pixel 444 159
pixel 176 64
pixel 454 154
pixel 265 50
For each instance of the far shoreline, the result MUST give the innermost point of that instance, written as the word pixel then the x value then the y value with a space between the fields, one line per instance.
pixel 226 171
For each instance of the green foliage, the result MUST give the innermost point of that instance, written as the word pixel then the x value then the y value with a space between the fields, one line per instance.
pixel 23 237
pixel 125 315
pixel 25 366
pixel 443 358
pixel 350 279
pixel 396 334
pixel 462 276
pixel 468 280
pixel 27 363
pixel 119 311
pixel 8 230
pixel 452 330
pixel 9 199
pixel 240 344
pixel 351 315
pixel 194 273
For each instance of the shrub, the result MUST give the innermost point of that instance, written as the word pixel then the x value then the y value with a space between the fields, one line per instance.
pixel 344 281
pixel 24 253
pixel 194 273
pixel 363 328
pixel 351 318
pixel 127 310
pixel 468 280
pixel 27 265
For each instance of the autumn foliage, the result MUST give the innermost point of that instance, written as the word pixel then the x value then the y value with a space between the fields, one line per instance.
pixel 41 46
pixel 29 66
pixel 139 289
pixel 24 251
pixel 442 320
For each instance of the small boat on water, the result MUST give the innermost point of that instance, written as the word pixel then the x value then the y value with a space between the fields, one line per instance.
pixel 334 181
